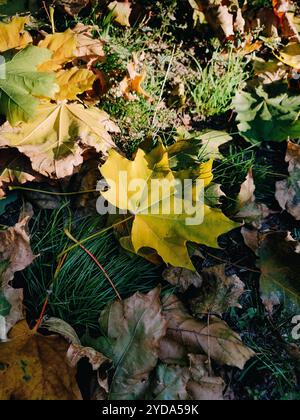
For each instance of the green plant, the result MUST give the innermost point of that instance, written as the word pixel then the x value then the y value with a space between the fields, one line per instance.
pixel 79 290
pixel 218 81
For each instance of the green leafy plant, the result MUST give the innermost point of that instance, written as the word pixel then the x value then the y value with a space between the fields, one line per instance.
pixel 268 113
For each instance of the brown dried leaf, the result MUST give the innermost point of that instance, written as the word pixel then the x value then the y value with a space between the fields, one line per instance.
pixel 218 292
pixel 182 278
pixel 215 338
pixel 288 190
pixel 203 385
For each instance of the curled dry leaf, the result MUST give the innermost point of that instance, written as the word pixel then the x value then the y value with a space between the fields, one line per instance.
pixel 132 329
pixel 13 34
pixel 214 338
pixel 132 83
pixel 121 11
pixel 288 190
pixel 56 140
pixel 247 209
pixel 34 367
pixel 203 385
pixel 218 292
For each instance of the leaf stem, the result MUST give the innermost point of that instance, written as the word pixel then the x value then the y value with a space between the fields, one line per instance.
pixel 51 192
pixel 95 235
pixel 92 256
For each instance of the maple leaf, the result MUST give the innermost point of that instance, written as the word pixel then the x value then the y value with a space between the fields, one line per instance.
pixel 280 267
pixel 132 330
pixel 203 385
pixel 63 48
pixel 88 48
pixel 56 140
pixel 218 292
pixel 154 226
pixel 73 82
pixel 267 114
pixel 35 367
pixel 214 338
pixel 121 11
pixel 288 190
pixel 13 34
pixel 170 383
pixel 22 82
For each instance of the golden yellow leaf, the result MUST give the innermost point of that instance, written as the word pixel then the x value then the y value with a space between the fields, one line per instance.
pixel 156 223
pixel 57 138
pixel 72 82
pixel 63 47
pixel 121 11
pixel 13 35
pixel 34 367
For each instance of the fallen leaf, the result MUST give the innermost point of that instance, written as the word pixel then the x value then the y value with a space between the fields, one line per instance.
pixel 57 138
pixel 182 278
pixel 214 338
pixel 288 191
pixel 290 55
pixel 169 384
pixel 63 47
pixel 72 7
pixel 88 48
pixel 203 385
pixel 156 225
pixel 279 262
pixel 121 12
pixel 13 170
pixel 73 82
pixel 34 367
pixel 218 292
pixel 15 250
pixel 22 81
pixel 267 116
pixel 13 34
pixel 132 83
pixel 132 330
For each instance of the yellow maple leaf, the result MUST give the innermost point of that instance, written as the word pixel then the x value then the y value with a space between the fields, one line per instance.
pixel 121 11
pixel 57 138
pixel 72 82
pixel 156 225
pixel 34 367
pixel 63 47
pixel 13 35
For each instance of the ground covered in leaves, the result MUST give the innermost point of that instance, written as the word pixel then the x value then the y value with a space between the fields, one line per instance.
pixel 135 306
